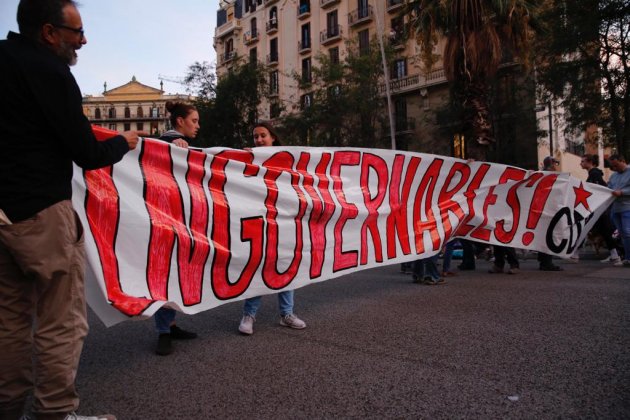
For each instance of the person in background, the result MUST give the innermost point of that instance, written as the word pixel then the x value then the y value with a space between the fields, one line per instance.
pixel 502 253
pixel 184 119
pixel 603 225
pixel 447 257
pixel 425 271
pixel 43 317
pixel 619 182
pixel 545 260
pixel 265 136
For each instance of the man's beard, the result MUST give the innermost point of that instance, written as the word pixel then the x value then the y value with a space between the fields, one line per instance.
pixel 67 53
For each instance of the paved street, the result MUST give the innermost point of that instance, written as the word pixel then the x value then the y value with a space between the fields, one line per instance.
pixel 533 345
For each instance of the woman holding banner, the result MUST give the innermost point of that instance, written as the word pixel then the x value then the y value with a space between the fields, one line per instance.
pixel 265 136
pixel 185 122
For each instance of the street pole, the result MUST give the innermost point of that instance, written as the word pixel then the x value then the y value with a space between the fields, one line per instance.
pixel 550 117
pixel 390 112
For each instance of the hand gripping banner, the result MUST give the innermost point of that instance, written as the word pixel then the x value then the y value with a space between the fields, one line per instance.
pixel 194 229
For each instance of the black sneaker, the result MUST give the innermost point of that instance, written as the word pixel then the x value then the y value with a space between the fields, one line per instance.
pixel 164 345
pixel 179 334
pixel 551 267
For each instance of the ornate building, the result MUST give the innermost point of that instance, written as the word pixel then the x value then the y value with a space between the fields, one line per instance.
pixel 132 106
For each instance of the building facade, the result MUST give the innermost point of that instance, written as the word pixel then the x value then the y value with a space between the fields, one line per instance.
pixel 132 106
pixel 288 35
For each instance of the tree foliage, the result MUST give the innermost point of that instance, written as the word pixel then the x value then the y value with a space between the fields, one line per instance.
pixel 346 107
pixel 583 62
pixel 227 107
pixel 478 34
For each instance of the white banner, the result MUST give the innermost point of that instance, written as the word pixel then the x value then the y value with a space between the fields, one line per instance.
pixel 195 229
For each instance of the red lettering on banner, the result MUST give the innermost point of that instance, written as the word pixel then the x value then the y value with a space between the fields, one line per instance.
pixel 470 195
pixel 426 190
pixel 514 174
pixel 276 164
pixel 102 209
pixel 322 211
pixel 397 219
pixel 481 232
pixel 539 199
pixel 445 199
pixel 252 229
pixel 165 207
pixel 372 204
pixel 343 259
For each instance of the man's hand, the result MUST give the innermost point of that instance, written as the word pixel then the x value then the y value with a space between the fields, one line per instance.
pixel 132 137
pixel 617 193
pixel 181 143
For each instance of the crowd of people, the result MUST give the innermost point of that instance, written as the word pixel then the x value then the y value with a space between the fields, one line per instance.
pixel 613 227
pixel 43 319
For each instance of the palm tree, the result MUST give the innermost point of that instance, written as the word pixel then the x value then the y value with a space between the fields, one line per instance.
pixel 478 34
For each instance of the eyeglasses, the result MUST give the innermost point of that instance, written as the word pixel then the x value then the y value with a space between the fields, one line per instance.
pixel 75 30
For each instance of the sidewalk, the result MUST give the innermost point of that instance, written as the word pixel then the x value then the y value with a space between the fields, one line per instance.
pixel 532 345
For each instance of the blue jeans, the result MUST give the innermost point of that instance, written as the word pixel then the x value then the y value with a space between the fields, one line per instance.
pixel 164 317
pixel 285 304
pixel 448 256
pixel 426 267
pixel 622 223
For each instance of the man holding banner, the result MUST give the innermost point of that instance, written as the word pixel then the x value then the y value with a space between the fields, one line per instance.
pixel 42 256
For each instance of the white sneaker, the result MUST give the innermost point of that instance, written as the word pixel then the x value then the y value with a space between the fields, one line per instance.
pixel 247 325
pixel 624 263
pixel 611 259
pixel 75 416
pixel 292 321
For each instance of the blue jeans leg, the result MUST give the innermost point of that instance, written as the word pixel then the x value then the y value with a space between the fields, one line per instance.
pixel 164 317
pixel 430 267
pixel 448 256
pixel 622 223
pixel 285 302
pixel 251 305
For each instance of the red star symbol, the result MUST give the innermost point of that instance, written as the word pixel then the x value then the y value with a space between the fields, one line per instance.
pixel 581 196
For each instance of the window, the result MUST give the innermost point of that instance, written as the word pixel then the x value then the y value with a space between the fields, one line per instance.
pixel 332 24
pixel 154 112
pixel 459 146
pixel 396 31
pixel 399 68
pixel 140 126
pixel 306 101
pixel 127 126
pixel 229 46
pixel 97 113
pixel 306 70
pixel 334 55
pixel 250 6
pixel 112 126
pixel 127 113
pixel 112 112
pixel 363 8
pixel 253 28
pixel 274 110
pixel 253 56
pixel 273 82
pixel 364 42
pixel 139 112
pixel 273 50
pixel 400 112
pixel 306 36
pixel 305 6
pixel 273 18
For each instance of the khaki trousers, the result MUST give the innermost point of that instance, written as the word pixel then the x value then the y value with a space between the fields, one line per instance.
pixel 42 312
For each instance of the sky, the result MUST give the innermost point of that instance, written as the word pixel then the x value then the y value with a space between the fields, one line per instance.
pixel 141 38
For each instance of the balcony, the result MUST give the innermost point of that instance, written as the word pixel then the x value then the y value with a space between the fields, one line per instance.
pixel 228 28
pixel 396 40
pixel 393 5
pixel 269 2
pixel 272 26
pixel 330 35
pixel 272 59
pixel 227 57
pixel 304 11
pixel 414 82
pixel 359 16
pixel 250 37
pixel 304 46
pixel 327 3
pixel 401 126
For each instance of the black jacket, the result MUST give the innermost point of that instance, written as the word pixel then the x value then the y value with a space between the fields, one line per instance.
pixel 171 135
pixel 596 176
pixel 43 130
